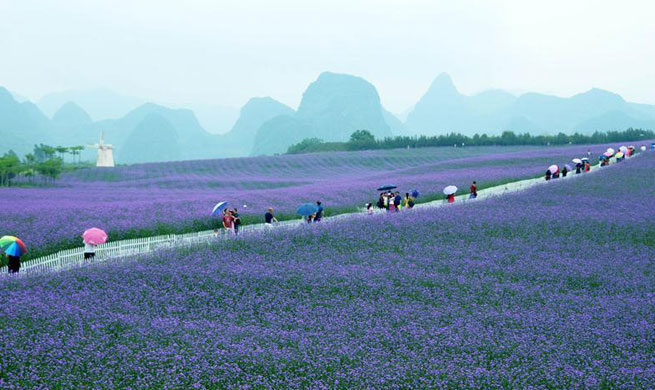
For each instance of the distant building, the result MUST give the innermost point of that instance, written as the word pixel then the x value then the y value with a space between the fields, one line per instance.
pixel 105 154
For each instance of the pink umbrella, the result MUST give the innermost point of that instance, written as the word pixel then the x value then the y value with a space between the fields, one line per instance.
pixel 94 236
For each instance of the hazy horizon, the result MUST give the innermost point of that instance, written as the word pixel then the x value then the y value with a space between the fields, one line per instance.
pixel 211 53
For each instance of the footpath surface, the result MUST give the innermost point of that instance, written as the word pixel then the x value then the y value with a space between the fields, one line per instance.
pixel 126 249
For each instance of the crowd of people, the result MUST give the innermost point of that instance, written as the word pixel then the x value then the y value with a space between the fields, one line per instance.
pixel 388 200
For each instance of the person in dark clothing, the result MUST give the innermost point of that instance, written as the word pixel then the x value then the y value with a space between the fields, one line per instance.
pixel 578 168
pixel 237 220
pixel 381 201
pixel 397 201
pixel 548 175
pixel 565 171
pixel 474 190
pixel 319 211
pixel 13 264
pixel 269 218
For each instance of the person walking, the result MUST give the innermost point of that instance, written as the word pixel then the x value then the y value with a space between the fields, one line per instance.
pixel 13 264
pixel 408 201
pixel 89 251
pixel 381 201
pixel 587 166
pixel 548 173
pixel 474 190
pixel 237 220
pixel 451 198
pixel 319 211
pixel 369 208
pixel 228 221
pixel 269 218
pixel 398 201
pixel 578 168
pixel 565 171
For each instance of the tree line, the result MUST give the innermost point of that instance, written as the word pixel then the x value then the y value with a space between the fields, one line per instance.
pixel 46 163
pixel 364 140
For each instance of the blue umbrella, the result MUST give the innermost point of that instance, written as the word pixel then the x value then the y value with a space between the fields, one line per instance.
pixel 307 209
pixel 218 209
pixel 415 194
pixel 386 187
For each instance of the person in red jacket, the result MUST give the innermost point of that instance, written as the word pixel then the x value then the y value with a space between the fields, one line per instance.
pixel 451 198
pixel 474 190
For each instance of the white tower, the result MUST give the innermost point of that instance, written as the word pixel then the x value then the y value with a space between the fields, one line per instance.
pixel 105 154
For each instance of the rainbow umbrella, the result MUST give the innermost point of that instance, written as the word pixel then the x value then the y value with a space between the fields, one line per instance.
pixel 94 236
pixel 12 246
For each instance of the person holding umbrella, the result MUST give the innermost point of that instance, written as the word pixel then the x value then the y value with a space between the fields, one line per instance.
pixel 14 249
pixel 565 170
pixel 450 193
pixel 237 220
pixel 319 211
pixel 92 238
pixel 228 221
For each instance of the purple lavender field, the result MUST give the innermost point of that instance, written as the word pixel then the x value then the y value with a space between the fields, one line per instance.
pixel 165 198
pixel 547 289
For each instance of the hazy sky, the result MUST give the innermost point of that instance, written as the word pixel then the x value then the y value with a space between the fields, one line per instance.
pixel 225 52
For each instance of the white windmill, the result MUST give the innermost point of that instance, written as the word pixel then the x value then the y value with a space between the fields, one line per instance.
pixel 105 154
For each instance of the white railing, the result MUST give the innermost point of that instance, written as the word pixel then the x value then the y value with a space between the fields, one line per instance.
pixel 70 258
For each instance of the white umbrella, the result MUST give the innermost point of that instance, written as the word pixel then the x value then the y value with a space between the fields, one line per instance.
pixel 577 161
pixel 449 190
pixel 610 151
pixel 624 149
pixel 643 148
pixel 553 168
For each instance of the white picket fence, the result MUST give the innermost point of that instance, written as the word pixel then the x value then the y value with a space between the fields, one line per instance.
pixel 129 248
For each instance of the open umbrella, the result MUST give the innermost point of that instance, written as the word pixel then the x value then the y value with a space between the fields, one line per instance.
pixel 619 155
pixel 608 154
pixel 386 187
pixel 553 168
pixel 584 159
pixel 602 157
pixel 307 209
pixel 610 151
pixel 643 148
pixel 12 246
pixel 568 167
pixel 415 194
pixel 624 149
pixel 218 209
pixel 449 190
pixel 577 161
pixel 94 236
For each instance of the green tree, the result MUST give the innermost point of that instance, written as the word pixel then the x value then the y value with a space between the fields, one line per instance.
pixel 362 136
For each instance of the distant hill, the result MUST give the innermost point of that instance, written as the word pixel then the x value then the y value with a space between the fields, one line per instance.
pixel 444 109
pixel 99 103
pixel 241 138
pixel 70 114
pixel 21 124
pixel 154 139
pixel 332 108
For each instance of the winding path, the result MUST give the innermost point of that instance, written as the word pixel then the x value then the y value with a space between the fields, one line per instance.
pixel 125 249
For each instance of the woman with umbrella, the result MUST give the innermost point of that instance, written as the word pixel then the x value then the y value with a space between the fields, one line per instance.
pixel 14 249
pixel 450 193
pixel 578 165
pixel 92 238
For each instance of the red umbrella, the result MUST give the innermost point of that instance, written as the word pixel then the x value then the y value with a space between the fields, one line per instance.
pixel 94 236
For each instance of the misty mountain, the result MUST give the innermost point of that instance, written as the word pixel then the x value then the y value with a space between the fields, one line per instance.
pixel 214 118
pixel 21 124
pixel 443 109
pixel 154 139
pixel 257 111
pixel 99 103
pixel 70 114
pixel 332 108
